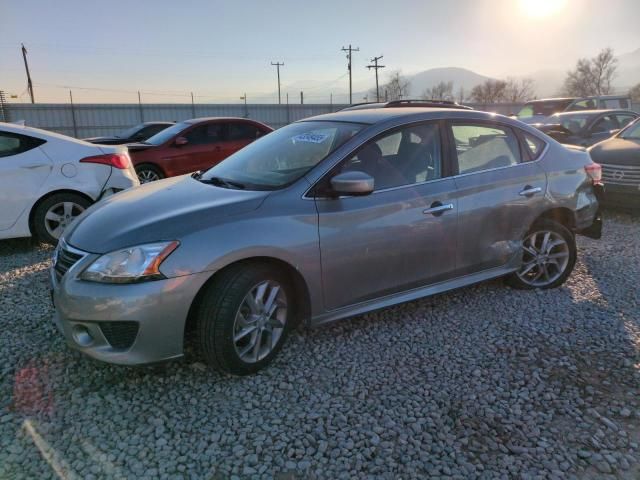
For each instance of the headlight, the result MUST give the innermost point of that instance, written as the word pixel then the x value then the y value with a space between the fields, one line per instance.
pixel 129 265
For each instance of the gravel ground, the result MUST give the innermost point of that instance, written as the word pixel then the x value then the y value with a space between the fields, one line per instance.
pixel 484 382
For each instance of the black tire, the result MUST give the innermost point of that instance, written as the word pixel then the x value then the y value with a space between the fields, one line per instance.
pixel 148 173
pixel 216 313
pixel 43 227
pixel 514 280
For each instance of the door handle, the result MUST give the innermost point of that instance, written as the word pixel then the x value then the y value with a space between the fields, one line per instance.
pixel 437 209
pixel 529 191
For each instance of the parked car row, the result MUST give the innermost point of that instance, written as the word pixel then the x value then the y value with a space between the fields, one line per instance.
pixel 538 111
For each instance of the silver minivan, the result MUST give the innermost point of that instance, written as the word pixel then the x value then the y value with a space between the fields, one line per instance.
pixel 326 218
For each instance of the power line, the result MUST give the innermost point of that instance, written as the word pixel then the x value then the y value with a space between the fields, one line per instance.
pixel 350 51
pixel 278 65
pixel 375 66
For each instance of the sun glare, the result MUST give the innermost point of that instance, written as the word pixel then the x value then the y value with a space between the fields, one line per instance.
pixel 541 8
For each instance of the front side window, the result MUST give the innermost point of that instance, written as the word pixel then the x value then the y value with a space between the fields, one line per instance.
pixel 168 133
pixel 604 124
pixel 283 156
pixel 205 134
pixel 404 157
pixel 13 143
pixel 573 122
pixel 484 147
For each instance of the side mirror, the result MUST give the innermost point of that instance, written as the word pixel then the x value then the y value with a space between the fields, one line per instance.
pixel 180 141
pixel 352 184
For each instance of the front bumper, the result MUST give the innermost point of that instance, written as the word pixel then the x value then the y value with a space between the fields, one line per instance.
pixel 85 313
pixel 625 196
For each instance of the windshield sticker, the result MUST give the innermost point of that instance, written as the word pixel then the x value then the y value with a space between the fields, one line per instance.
pixel 311 137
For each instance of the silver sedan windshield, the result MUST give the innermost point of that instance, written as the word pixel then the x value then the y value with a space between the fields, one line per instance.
pixel 283 156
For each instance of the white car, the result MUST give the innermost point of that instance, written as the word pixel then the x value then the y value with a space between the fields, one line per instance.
pixel 47 179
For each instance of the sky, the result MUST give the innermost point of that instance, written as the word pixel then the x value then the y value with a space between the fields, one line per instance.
pixel 106 51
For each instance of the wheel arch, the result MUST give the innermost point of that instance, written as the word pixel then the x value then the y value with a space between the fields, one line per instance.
pixel 299 284
pixel 50 194
pixel 561 215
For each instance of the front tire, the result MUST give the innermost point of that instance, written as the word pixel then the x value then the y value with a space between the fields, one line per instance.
pixel 54 214
pixel 148 173
pixel 548 257
pixel 244 317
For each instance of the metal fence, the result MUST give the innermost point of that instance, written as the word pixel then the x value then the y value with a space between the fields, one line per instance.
pixel 88 120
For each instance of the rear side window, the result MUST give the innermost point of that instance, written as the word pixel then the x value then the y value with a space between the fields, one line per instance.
pixel 13 143
pixel 534 145
pixel 484 147
pixel 624 119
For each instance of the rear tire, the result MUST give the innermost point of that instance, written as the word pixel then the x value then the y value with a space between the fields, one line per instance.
pixel 549 255
pixel 148 173
pixel 244 317
pixel 54 214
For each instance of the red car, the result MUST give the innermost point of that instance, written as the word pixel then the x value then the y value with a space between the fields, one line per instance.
pixel 192 145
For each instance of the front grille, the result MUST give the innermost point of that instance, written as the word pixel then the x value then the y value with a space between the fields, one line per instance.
pixel 120 335
pixel 628 175
pixel 66 259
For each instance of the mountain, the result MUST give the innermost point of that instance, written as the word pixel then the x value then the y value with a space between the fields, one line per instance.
pixel 628 70
pixel 461 77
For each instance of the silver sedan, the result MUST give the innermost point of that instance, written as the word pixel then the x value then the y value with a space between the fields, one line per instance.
pixel 326 218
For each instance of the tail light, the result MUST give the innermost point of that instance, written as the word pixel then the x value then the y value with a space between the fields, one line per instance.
pixel 116 160
pixel 594 170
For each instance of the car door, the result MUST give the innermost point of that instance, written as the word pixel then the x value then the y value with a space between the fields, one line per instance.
pixel 202 150
pixel 23 170
pixel 500 192
pixel 402 235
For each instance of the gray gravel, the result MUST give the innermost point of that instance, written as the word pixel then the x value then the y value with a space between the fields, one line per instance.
pixel 485 382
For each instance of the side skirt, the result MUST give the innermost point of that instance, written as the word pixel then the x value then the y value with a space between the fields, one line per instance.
pixel 410 295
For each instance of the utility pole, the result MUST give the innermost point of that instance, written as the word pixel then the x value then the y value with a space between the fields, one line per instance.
pixel 26 67
pixel 350 51
pixel 246 109
pixel 301 98
pixel 278 65
pixel 193 106
pixel 140 107
pixel 73 115
pixel 375 66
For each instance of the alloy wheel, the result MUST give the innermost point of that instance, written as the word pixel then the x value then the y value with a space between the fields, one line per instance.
pixel 545 258
pixel 260 321
pixel 146 176
pixel 59 216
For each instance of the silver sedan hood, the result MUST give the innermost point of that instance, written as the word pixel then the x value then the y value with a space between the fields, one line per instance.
pixel 164 210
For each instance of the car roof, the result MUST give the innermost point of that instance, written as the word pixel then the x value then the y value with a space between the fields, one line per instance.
pixel 377 115
pixel 557 99
pixel 592 113
pixel 208 119
pixel 158 123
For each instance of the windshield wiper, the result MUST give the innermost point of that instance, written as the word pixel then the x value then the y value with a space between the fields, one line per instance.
pixel 221 182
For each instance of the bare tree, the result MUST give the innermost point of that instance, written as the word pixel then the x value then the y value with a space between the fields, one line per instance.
pixel 491 91
pixel 592 76
pixel 634 93
pixel 396 88
pixel 461 96
pixel 440 91
pixel 518 91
